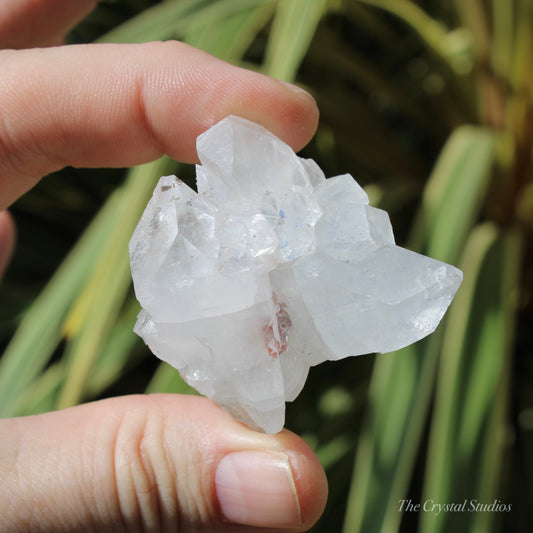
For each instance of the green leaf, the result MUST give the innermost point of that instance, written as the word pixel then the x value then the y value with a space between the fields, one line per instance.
pixel 454 194
pixel 163 21
pixel 40 331
pixel 503 41
pixel 293 28
pixel 91 319
pixel 115 352
pixel 402 383
pixel 42 395
pixel 226 30
pixel 467 432
pixel 333 451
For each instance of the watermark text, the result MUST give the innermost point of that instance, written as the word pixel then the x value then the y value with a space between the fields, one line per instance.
pixel 466 506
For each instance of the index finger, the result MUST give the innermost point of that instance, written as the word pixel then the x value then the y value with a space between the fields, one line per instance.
pixel 122 105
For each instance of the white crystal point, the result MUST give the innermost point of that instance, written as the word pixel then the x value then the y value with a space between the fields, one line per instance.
pixel 247 159
pixel 387 300
pixel 270 269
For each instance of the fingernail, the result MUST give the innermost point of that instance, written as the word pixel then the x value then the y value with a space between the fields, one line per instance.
pixel 257 489
pixel 298 90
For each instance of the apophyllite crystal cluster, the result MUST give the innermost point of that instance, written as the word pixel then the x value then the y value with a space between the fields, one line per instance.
pixel 271 268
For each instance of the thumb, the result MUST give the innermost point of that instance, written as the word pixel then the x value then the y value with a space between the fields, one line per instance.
pixel 154 463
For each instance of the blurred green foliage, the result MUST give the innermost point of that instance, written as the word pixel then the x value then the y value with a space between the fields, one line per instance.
pixel 430 105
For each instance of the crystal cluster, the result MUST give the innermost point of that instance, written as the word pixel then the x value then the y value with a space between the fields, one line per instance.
pixel 272 268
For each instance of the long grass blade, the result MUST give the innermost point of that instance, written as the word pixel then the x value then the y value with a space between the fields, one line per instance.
pixel 97 307
pixel 503 40
pixel 468 425
pixel 40 331
pixel 42 395
pixel 163 21
pixel 456 191
pixel 402 383
pixel 227 32
pixel 293 28
pixel 116 352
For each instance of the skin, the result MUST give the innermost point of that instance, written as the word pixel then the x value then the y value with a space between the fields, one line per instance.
pixel 135 463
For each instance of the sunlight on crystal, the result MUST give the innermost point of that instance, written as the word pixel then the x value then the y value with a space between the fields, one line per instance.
pixel 270 269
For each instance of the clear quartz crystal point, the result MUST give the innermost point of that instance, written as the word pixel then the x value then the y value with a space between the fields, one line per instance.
pixel 270 269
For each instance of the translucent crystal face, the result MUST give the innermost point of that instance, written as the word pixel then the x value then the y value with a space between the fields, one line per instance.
pixel 270 269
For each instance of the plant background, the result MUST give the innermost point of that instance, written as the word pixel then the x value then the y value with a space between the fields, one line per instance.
pixel 429 105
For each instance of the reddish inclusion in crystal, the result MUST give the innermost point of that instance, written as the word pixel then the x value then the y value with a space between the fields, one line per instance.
pixel 277 344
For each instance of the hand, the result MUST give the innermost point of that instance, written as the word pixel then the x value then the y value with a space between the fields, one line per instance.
pixel 147 463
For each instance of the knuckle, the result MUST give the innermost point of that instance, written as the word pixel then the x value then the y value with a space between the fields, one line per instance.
pixel 139 488
pixel 159 483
